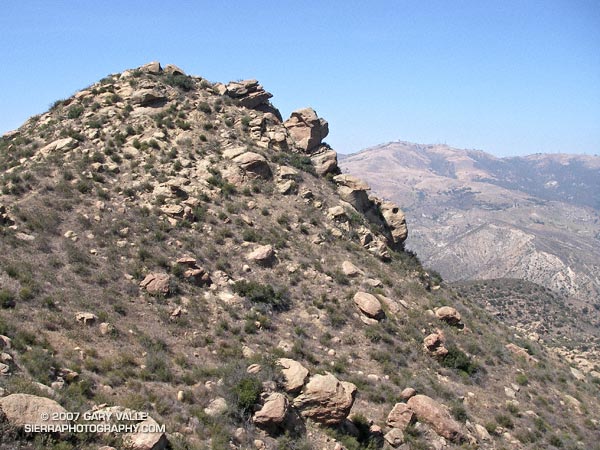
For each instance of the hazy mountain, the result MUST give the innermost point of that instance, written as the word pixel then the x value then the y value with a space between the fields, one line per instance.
pixel 475 216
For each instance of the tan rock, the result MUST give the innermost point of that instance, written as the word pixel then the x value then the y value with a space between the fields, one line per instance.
pixel 216 407
pixel 306 129
pixel 350 270
pixel 294 374
pixel 23 409
pixel 156 283
pixel 86 318
pixel 263 255
pixel 396 221
pixel 325 399
pixel 369 305
pixel 434 414
pixel 434 344
pixel 148 97
pixel 394 437
pixel 448 314
pixel 401 416
pixel 407 393
pixel 273 411
pixel 325 162
pixel 254 165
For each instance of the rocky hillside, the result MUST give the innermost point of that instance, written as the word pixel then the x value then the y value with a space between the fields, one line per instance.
pixel 181 268
pixel 475 216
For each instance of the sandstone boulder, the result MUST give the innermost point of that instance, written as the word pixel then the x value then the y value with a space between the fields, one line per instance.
pixel 255 165
pixel 325 399
pixel 396 222
pixel 434 414
pixel 401 416
pixel 369 305
pixel 394 437
pixel 249 93
pixel 148 97
pixel 216 407
pixel 173 70
pixel 151 67
pixel 64 144
pixel 325 162
pixel 86 318
pixel 350 270
pixel 22 409
pixel 448 314
pixel 263 255
pixel 434 344
pixel 273 411
pixel 156 283
pixel 294 374
pixel 306 129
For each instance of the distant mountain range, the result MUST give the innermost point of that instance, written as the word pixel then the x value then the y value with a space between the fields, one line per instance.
pixel 472 215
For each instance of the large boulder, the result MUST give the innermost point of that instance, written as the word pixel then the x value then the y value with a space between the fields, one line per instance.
pixel 273 411
pixel 156 283
pixel 255 165
pixel 249 93
pixel 369 305
pixel 325 399
pixel 294 374
pixel 435 415
pixel 325 162
pixel 148 97
pixel 350 270
pixel 25 409
pixel 263 255
pixel 396 222
pixel 434 344
pixel 354 191
pixel 307 129
pixel 448 314
pixel 401 416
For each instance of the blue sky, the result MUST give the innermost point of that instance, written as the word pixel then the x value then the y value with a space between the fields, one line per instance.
pixel 509 77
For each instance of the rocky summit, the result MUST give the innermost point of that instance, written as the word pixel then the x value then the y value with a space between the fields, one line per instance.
pixel 175 255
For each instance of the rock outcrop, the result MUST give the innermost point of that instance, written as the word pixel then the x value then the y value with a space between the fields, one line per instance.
pixel 156 283
pixel 294 374
pixel 273 412
pixel 307 129
pixel 369 305
pixel 435 415
pixel 326 399
pixel 449 315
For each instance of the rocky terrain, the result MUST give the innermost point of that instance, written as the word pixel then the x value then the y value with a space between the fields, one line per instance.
pixel 174 254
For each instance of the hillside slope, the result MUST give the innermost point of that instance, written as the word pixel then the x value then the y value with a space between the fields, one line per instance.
pixel 173 247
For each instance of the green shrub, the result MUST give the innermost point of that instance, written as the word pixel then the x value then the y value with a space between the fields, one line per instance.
pixel 247 392
pixel 457 359
pixel 182 82
pixel 7 299
pixel 263 294
pixel 75 111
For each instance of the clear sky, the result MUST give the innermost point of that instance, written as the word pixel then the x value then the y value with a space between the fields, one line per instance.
pixel 508 76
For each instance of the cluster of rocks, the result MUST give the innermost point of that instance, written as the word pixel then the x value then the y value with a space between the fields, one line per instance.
pixel 426 410
pixel 192 272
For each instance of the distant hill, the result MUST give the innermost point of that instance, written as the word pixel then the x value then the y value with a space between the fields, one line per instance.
pixel 476 216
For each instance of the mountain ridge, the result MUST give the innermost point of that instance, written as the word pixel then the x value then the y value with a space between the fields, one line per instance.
pixel 172 246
